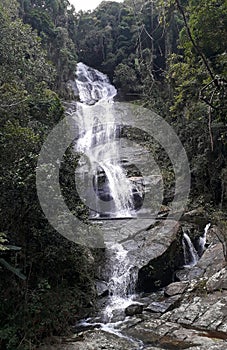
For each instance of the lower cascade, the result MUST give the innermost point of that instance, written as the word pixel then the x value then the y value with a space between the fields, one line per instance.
pixel 190 253
pixel 122 281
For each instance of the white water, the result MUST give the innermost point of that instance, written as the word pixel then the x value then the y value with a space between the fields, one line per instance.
pixel 122 281
pixel 93 86
pixel 100 145
pixel 203 238
pixel 190 254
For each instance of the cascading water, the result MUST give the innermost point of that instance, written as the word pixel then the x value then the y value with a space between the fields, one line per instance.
pixel 99 143
pixel 122 280
pixel 190 253
pixel 202 240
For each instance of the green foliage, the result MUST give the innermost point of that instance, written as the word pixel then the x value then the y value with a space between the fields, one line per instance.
pixel 46 281
pixel 3 240
pixel 165 52
pixel 123 36
pixel 55 23
pixel 125 77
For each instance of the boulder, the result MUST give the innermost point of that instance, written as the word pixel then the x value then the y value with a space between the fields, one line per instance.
pixel 218 281
pixel 134 309
pixel 176 288
pixel 153 247
pixel 211 262
pixel 102 289
pixel 163 306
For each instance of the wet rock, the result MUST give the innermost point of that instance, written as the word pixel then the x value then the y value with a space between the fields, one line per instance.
pixel 102 289
pixel 149 298
pixel 95 340
pixel 202 311
pixel 131 321
pixel 211 262
pixel 175 288
pixel 153 249
pixel 218 281
pixel 134 309
pixel 163 306
pixel 160 256
pixel 169 335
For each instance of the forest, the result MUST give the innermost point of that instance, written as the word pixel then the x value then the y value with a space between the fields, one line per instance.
pixel 165 55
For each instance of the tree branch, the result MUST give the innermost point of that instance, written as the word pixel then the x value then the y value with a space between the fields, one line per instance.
pixel 196 47
pixel 13 104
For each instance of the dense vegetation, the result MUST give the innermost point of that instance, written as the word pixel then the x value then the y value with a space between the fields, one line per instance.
pixel 165 54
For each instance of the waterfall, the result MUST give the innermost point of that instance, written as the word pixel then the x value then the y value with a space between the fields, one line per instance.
pixel 122 281
pixel 202 239
pixel 93 86
pixel 99 143
pixel 190 253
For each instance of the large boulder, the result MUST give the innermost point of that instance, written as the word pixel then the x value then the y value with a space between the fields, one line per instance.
pixel 159 256
pixel 211 262
pixel 154 250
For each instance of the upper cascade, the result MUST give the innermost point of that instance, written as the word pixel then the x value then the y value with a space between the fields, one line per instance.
pixel 111 192
pixel 93 86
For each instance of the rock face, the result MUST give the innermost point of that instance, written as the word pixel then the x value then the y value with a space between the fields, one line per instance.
pixel 94 340
pixel 163 306
pixel 154 249
pixel 211 262
pixel 218 281
pixel 197 318
pixel 170 335
pixel 175 288
pixel 156 252
pixel 188 314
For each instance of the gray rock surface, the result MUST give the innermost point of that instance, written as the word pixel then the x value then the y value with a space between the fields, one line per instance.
pixel 94 340
pixel 144 239
pixel 102 288
pixel 163 306
pixel 189 314
pixel 176 288
pixel 218 281
pixel 211 262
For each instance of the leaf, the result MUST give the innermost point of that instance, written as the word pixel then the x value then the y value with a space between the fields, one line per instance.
pixel 12 269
